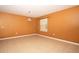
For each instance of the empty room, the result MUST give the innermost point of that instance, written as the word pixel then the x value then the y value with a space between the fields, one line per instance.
pixel 39 28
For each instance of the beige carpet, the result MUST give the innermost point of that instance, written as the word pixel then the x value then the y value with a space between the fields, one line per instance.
pixel 36 44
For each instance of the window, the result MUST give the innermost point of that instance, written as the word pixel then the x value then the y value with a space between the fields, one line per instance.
pixel 44 25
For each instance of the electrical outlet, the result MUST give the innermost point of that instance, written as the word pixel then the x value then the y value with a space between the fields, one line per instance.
pixel 16 32
pixel 53 33
pixel 2 27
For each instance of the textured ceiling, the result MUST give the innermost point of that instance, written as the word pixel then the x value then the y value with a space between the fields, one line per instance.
pixel 32 10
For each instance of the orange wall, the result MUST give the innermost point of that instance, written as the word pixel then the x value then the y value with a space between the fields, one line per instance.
pixel 12 25
pixel 64 24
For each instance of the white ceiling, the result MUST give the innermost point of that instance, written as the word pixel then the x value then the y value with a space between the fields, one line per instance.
pixel 32 10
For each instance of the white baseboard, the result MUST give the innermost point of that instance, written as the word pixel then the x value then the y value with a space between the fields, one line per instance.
pixel 42 36
pixel 17 36
pixel 59 39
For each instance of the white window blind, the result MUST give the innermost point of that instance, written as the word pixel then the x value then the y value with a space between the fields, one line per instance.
pixel 44 25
